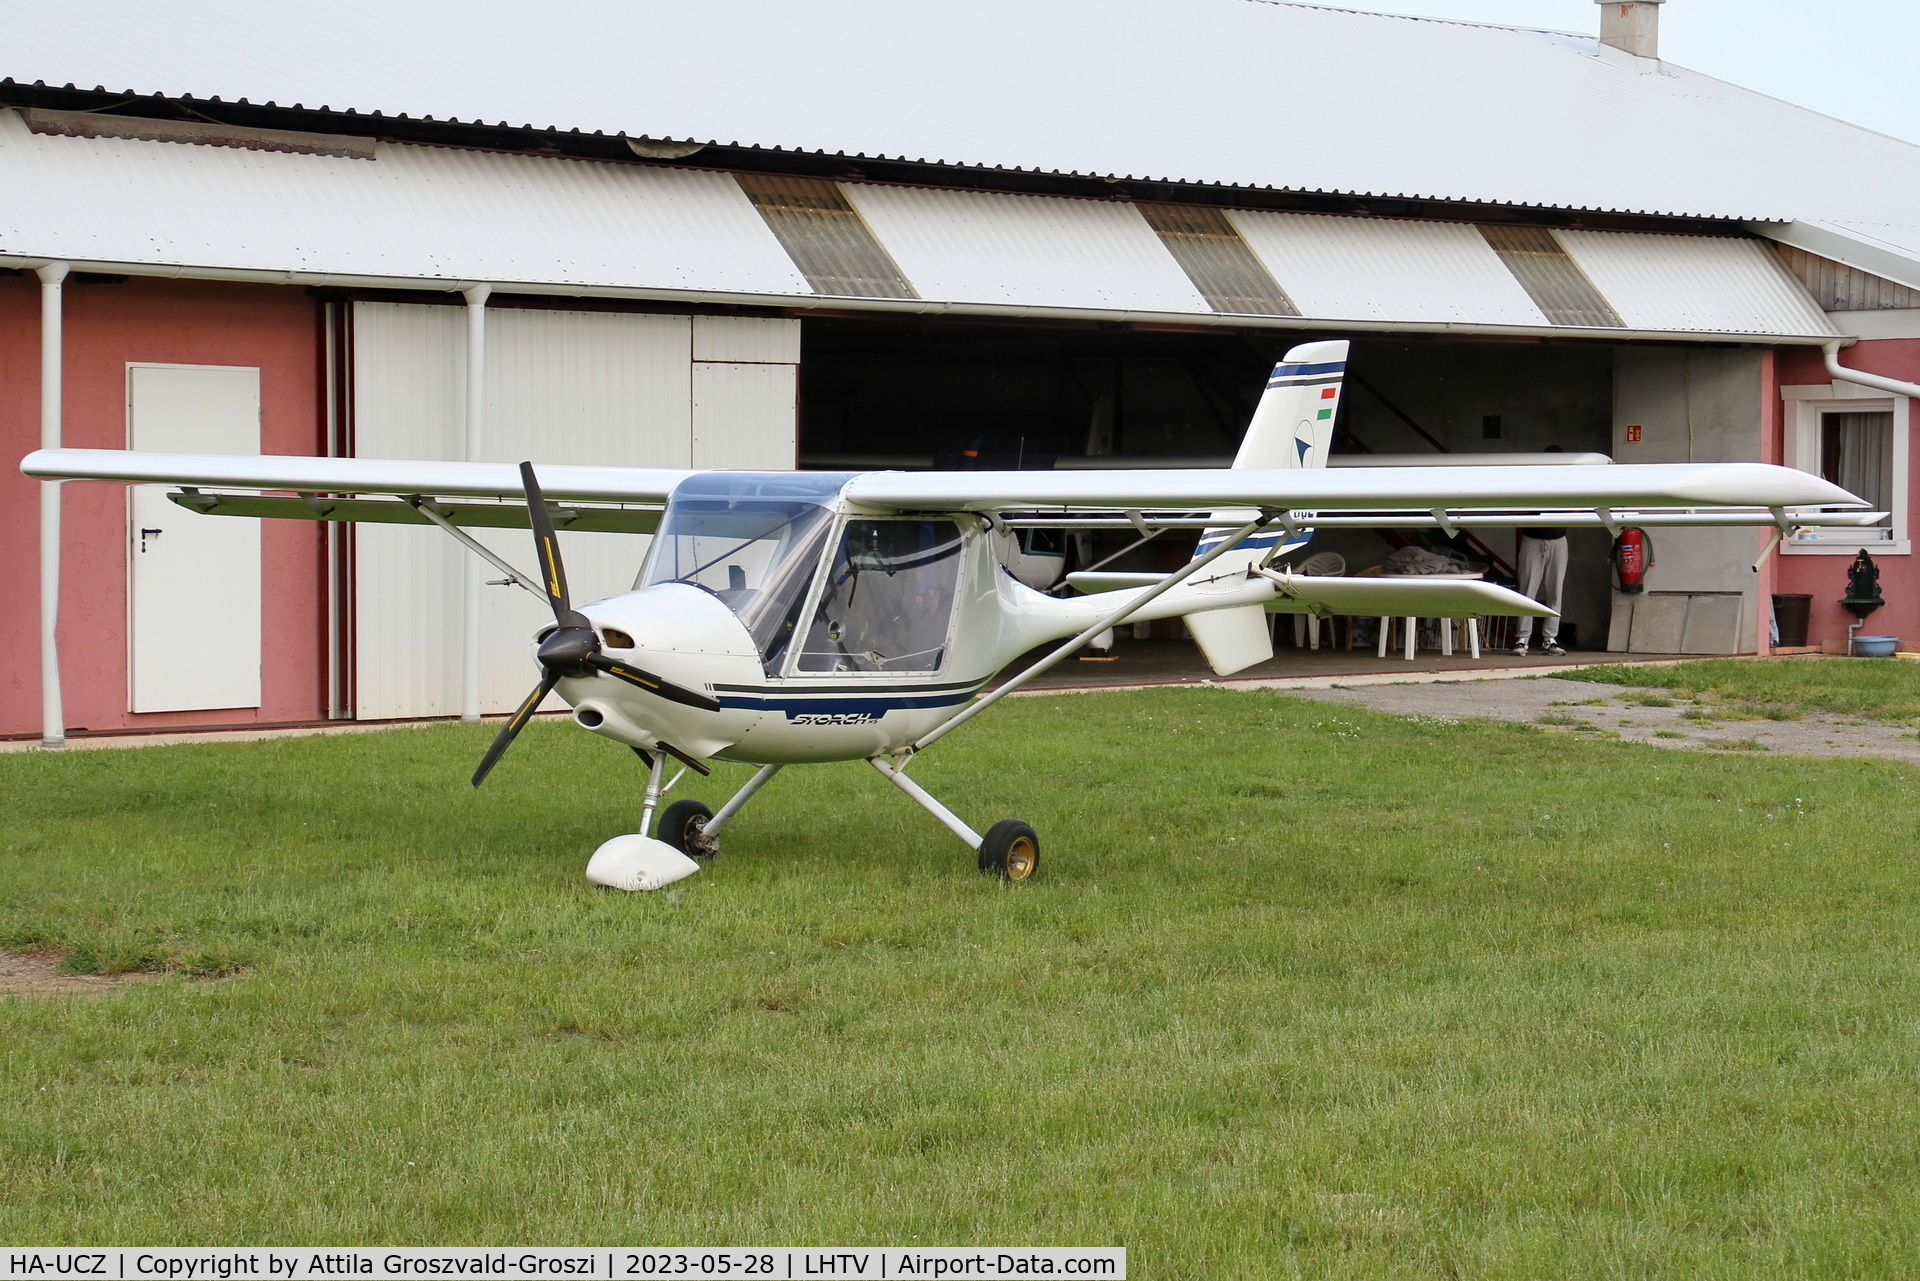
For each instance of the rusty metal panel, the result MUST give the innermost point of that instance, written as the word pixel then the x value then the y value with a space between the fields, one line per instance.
pixel 1712 284
pixel 1550 276
pixel 825 236
pixel 1217 260
pixel 91 124
pixel 1041 251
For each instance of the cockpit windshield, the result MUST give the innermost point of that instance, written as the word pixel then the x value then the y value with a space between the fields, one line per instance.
pixel 753 539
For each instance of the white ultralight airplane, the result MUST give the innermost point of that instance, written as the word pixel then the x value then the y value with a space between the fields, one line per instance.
pixel 787 618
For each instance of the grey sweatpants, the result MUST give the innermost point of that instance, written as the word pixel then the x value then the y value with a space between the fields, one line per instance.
pixel 1543 571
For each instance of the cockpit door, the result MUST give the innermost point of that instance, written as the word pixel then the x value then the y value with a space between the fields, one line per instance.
pixel 887 602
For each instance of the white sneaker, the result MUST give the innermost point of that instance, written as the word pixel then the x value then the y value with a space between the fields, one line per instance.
pixel 1553 650
pixel 1520 650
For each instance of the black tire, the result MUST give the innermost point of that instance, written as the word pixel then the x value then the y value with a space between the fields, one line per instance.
pixel 682 826
pixel 1010 851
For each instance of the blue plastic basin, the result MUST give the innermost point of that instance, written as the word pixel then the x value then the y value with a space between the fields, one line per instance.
pixel 1875 646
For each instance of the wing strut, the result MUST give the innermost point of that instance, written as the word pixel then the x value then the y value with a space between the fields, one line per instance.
pixel 431 510
pixel 1114 619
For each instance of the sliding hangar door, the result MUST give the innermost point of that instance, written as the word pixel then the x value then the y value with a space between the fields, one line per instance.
pixel 583 387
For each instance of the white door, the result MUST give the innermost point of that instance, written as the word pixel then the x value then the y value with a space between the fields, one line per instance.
pixel 193 581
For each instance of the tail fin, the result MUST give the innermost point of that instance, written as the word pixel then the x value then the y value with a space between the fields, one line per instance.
pixel 1293 425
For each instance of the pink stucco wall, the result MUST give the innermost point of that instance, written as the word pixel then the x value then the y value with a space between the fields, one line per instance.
pixel 108 326
pixel 1825 577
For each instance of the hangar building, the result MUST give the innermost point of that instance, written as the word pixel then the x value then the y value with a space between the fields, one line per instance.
pixel 746 234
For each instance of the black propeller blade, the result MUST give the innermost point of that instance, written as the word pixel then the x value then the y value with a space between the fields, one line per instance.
pixel 572 648
pixel 515 723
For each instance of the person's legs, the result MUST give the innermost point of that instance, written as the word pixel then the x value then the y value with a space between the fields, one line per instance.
pixel 1533 562
pixel 1553 578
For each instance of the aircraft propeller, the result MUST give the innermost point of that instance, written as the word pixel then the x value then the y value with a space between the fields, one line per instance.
pixel 572 648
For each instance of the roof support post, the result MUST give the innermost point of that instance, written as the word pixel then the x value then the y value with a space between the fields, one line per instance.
pixel 476 296
pixel 53 716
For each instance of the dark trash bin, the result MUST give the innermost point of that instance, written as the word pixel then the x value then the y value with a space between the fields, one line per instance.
pixel 1790 616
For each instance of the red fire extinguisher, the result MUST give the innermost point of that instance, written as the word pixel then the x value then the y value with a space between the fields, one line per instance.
pixel 1632 557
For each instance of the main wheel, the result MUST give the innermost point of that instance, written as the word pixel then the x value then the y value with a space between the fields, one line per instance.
pixel 1011 850
pixel 683 826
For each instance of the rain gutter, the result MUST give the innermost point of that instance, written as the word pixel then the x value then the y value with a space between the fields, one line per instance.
pixel 1879 382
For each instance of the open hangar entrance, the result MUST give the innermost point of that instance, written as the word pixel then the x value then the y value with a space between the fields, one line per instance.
pixel 955 393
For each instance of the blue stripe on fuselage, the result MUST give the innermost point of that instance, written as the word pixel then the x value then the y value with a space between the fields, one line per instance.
pixel 839 702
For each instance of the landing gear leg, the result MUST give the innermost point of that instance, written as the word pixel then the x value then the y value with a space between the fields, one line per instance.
pixel 1009 849
pixel 698 833
pixel 655 766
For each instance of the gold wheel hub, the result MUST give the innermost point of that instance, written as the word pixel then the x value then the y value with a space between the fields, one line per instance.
pixel 1022 857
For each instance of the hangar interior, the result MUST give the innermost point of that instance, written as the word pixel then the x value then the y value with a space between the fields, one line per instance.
pixel 917 393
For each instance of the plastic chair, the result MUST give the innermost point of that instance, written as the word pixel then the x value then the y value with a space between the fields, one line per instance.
pixel 1306 627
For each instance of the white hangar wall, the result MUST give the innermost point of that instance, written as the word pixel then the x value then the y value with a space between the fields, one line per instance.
pixel 604 388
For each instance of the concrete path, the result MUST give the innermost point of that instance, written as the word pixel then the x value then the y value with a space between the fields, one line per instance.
pixel 1617 711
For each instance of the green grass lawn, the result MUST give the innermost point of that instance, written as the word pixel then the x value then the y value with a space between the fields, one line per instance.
pixel 1301 991
pixel 1777 688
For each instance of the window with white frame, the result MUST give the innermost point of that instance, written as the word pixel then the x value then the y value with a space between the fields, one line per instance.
pixel 1859 442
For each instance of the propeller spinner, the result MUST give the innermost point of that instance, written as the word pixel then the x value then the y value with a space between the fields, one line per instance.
pixel 572 648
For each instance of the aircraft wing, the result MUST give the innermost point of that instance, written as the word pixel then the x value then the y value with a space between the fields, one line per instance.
pixel 1425 596
pixel 354 475
pixel 1690 485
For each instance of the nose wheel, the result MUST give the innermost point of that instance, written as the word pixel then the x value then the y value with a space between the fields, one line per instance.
pixel 683 825
pixel 1010 850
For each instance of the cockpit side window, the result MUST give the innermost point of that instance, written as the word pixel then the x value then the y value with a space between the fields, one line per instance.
pixel 888 599
pixel 758 557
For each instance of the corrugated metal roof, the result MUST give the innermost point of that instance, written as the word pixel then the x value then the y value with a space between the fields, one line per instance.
pixel 1550 276
pixel 1184 90
pixel 415 211
pixel 436 214
pixel 1036 251
pixel 825 236
pixel 1387 269
pixel 1668 282
pixel 1203 240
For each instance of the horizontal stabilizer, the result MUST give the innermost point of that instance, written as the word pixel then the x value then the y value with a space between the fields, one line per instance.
pixel 1424 596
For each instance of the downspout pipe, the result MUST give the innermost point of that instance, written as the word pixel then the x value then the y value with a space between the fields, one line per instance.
pixel 476 296
pixel 1831 351
pixel 53 716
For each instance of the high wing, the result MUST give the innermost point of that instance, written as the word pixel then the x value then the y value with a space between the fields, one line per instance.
pixel 1621 490
pixel 355 475
pixel 1620 486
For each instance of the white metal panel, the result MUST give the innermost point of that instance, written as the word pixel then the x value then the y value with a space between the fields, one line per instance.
pixel 1695 282
pixel 600 388
pixel 746 338
pixel 1387 269
pixel 562 387
pixel 1043 251
pixel 745 416
pixel 409 394
pixel 193 581
pixel 431 212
